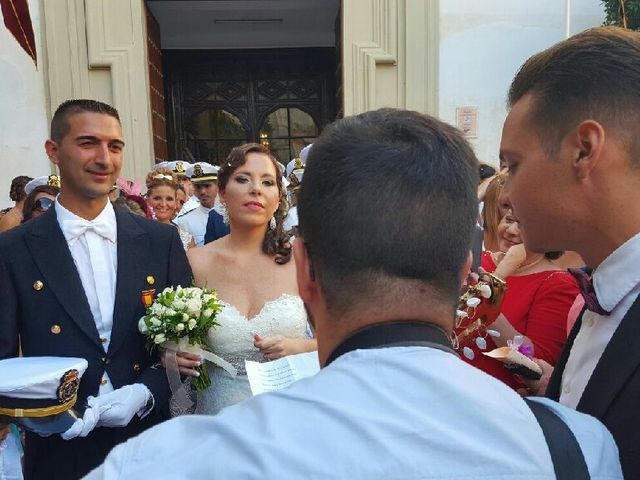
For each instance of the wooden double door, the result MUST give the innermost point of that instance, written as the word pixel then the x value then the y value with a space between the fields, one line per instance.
pixel 219 99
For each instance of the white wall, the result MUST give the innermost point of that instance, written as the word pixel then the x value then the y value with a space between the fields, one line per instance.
pixel 482 45
pixel 23 119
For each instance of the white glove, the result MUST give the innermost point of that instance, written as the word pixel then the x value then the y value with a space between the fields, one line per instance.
pixel 82 426
pixel 117 408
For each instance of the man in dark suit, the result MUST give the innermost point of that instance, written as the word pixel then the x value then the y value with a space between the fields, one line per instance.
pixel 71 283
pixel 216 228
pixel 572 145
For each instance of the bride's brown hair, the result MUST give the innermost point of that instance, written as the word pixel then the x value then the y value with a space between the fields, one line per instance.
pixel 276 241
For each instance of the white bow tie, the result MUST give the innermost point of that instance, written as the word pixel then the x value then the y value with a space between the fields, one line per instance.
pixel 74 229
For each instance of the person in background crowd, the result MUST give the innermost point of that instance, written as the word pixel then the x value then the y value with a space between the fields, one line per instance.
pixel 536 303
pixel 12 217
pixel 493 211
pixel 180 169
pixel 204 178
pixel 127 194
pixel 571 142
pixel 162 186
pixel 392 399
pixel 263 317
pixel 41 193
pixel 71 282
pixel 181 198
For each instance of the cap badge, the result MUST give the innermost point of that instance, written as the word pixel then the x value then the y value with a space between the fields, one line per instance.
pixel 53 181
pixel 69 384
pixel 179 167
pixel 197 170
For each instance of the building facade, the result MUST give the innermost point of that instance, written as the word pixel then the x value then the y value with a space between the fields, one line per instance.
pixel 193 78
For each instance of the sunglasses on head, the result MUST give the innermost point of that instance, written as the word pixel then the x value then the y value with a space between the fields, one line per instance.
pixel 42 204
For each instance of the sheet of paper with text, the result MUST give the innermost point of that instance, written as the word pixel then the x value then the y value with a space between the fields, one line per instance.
pixel 279 374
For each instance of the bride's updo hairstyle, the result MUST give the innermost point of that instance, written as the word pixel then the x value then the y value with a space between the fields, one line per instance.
pixel 161 177
pixel 276 241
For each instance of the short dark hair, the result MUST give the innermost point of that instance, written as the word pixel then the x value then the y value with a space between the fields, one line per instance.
pixel 16 192
pixel 59 122
pixel 594 74
pixel 388 194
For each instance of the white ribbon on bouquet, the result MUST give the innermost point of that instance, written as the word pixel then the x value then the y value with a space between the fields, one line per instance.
pixel 181 401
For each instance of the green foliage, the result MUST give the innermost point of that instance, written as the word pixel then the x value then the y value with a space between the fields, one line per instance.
pixel 614 13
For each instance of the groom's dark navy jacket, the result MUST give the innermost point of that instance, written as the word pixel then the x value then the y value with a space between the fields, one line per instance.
pixel 56 320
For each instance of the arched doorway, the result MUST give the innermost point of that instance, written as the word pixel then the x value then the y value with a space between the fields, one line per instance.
pixel 216 100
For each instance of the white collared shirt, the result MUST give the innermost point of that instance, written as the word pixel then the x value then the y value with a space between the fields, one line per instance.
pixel 96 259
pixel 398 412
pixel 195 222
pixel 617 284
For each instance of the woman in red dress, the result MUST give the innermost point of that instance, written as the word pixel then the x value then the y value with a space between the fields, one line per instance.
pixel 535 306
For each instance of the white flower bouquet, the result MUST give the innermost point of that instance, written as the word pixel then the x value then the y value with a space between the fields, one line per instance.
pixel 182 317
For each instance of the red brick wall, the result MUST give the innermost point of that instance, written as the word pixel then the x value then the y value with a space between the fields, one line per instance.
pixel 156 82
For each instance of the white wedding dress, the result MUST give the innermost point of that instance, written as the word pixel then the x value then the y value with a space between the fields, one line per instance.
pixel 233 341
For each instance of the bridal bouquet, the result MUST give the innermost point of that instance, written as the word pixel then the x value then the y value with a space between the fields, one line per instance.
pixel 180 320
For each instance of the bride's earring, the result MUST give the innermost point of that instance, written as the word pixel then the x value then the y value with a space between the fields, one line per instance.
pixel 272 223
pixel 225 213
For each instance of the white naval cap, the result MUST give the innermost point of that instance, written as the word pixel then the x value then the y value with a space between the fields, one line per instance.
pixel 39 392
pixel 52 180
pixel 203 172
pixel 295 172
pixel 179 167
pixel 304 153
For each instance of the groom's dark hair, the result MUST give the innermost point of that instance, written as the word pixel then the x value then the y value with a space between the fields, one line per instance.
pixel 388 194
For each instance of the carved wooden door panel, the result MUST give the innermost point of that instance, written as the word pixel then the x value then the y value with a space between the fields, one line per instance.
pixel 215 101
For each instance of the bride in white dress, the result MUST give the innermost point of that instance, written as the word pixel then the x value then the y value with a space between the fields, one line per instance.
pixel 263 318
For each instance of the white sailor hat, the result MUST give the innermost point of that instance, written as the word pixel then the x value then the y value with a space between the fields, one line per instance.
pixel 304 153
pixel 161 165
pixel 294 173
pixel 179 167
pixel 39 393
pixel 52 180
pixel 203 172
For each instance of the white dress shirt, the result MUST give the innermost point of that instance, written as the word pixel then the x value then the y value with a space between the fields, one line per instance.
pixel 389 413
pixel 617 284
pixel 96 259
pixel 195 222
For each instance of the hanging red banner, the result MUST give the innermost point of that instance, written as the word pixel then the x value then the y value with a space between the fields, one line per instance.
pixel 18 22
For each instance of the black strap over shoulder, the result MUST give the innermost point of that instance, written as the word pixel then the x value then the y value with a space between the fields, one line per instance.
pixel 566 454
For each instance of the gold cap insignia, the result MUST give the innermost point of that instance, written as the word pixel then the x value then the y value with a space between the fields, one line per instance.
pixel 38 285
pixel 197 170
pixel 179 167
pixel 151 280
pixel 53 181
pixel 55 329
pixel 69 384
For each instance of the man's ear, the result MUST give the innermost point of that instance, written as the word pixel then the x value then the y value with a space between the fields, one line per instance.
pixel 307 285
pixel 588 144
pixel 51 148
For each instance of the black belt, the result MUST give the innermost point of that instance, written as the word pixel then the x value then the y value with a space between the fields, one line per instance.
pixel 394 334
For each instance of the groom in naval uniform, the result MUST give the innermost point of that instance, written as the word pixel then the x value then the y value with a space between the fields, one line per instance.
pixel 72 282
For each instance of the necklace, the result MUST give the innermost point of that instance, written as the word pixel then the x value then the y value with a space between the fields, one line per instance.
pixel 525 266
